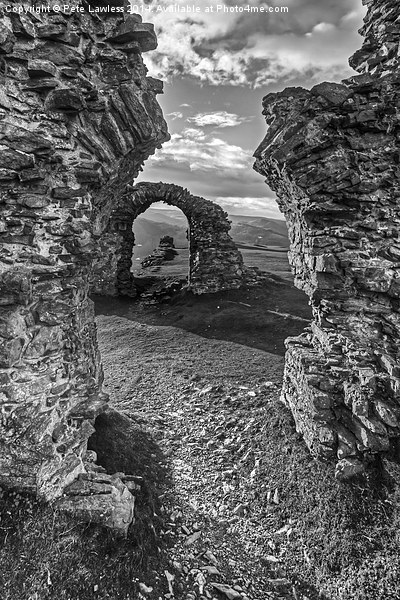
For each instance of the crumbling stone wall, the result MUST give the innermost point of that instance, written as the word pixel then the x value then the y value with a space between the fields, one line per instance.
pixel 332 156
pixel 215 263
pixel 164 252
pixel 78 117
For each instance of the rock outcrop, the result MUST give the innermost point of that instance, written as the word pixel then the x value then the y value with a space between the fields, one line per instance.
pixel 164 252
pixel 78 117
pixel 332 156
pixel 215 263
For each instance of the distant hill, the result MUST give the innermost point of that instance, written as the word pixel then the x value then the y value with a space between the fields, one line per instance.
pixel 259 230
pixel 246 229
pixel 167 215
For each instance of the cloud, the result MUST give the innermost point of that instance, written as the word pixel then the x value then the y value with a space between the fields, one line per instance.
pixel 309 44
pixel 234 205
pixel 175 115
pixel 197 151
pixel 218 119
pixel 213 168
pixel 312 41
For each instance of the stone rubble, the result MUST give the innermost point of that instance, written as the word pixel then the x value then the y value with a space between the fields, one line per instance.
pixel 332 156
pixel 164 252
pixel 78 117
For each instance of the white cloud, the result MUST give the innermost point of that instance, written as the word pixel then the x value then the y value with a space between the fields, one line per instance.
pixel 175 115
pixel 312 42
pixel 234 205
pixel 197 151
pixel 213 168
pixel 322 28
pixel 218 119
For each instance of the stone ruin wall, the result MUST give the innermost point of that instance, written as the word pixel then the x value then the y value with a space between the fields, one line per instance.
pixel 78 117
pixel 164 252
pixel 332 155
pixel 215 263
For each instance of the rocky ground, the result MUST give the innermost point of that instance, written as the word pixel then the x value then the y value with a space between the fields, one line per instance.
pixel 246 512
pixel 231 505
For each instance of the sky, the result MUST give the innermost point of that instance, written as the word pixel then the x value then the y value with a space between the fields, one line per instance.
pixel 217 64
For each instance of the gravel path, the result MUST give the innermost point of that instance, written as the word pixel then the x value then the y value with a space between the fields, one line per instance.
pixel 242 511
pixel 205 403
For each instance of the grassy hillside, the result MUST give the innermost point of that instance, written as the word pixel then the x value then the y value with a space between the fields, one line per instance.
pixel 248 229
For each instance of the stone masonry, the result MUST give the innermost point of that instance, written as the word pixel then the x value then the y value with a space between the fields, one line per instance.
pixel 164 252
pixel 332 156
pixel 78 117
pixel 215 263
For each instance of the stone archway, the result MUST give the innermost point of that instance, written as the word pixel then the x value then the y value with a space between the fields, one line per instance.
pixel 215 263
pixel 332 156
pixel 78 117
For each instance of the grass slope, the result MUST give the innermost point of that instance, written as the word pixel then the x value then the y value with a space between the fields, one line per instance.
pixel 219 455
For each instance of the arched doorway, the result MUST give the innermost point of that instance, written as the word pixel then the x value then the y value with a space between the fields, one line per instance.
pixel 160 258
pixel 215 263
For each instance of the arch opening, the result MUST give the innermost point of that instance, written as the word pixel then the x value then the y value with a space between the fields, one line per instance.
pixel 215 263
pixel 160 257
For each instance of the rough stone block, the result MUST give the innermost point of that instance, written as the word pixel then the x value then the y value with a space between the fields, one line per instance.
pixel 134 31
pixel 41 68
pixel 65 100
pixel 100 499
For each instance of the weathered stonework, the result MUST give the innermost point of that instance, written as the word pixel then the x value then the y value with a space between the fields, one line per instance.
pixel 163 253
pixel 215 264
pixel 332 156
pixel 78 117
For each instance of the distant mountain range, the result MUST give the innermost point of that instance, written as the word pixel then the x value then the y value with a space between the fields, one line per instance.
pixel 246 230
pixel 260 231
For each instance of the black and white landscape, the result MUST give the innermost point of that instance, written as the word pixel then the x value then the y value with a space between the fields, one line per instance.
pixel 184 415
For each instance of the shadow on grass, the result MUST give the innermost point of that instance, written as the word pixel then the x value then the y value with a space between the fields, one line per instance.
pixel 249 317
pixel 46 555
pixel 122 446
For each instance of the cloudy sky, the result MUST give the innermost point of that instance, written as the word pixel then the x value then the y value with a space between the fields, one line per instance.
pixel 217 66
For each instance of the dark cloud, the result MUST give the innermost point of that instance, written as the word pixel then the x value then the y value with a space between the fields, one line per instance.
pixel 234 48
pixel 301 18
